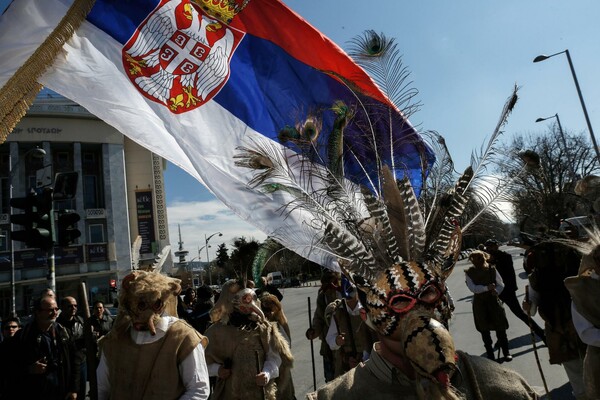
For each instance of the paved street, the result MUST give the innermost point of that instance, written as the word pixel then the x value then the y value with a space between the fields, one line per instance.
pixel 462 328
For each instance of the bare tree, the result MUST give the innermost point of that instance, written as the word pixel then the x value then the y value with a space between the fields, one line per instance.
pixel 546 194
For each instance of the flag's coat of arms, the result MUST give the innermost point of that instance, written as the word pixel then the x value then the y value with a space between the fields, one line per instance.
pixel 179 56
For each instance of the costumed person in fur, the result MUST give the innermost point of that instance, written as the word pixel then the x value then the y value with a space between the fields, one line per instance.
pixel 273 311
pixel 396 247
pixel 246 352
pixel 550 263
pixel 488 312
pixel 348 336
pixel 149 354
pixel 585 310
pixel 328 292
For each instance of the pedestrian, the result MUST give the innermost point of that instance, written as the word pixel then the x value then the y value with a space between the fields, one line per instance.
pixel 550 263
pixel 489 315
pixel 44 357
pixel 74 323
pixel 148 354
pixel 101 323
pixel 328 292
pixel 585 292
pixel 186 304
pixel 245 351
pixel 350 339
pixel 503 263
pixel 200 318
pixel 100 320
pixel 10 326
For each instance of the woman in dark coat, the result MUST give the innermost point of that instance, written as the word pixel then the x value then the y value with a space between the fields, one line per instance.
pixel 486 283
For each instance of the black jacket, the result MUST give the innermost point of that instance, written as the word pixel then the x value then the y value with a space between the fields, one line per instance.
pixel 62 376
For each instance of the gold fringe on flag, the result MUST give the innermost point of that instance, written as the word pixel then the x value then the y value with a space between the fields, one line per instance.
pixel 20 91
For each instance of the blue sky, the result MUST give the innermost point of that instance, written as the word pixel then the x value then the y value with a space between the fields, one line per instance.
pixel 464 56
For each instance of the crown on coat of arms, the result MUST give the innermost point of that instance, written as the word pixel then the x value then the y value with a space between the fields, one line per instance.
pixel 224 10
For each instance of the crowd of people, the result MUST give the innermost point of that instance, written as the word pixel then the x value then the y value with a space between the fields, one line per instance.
pixel 235 343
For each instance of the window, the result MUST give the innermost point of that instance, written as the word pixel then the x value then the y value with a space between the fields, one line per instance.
pixel 62 162
pixel 90 192
pixel 4 198
pixel 96 233
pixel 3 240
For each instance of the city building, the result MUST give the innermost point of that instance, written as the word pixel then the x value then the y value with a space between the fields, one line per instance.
pixel 119 195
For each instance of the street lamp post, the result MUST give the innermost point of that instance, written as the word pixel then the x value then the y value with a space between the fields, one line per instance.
pixel 206 239
pixel 200 259
pixel 564 142
pixel 543 57
pixel 37 153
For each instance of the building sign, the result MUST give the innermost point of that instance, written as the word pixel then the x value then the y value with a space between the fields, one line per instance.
pixel 96 252
pixel 36 258
pixel 145 218
pixel 68 255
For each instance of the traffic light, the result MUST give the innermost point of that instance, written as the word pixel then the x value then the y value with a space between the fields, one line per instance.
pixel 66 231
pixel 36 220
pixel 27 204
pixel 113 285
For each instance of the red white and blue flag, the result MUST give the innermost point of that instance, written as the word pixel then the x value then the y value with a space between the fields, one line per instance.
pixel 193 80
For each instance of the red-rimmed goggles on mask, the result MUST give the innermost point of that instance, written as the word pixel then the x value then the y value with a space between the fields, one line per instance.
pixel 403 301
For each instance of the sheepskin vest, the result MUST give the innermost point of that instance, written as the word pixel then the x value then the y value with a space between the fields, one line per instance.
pixel 149 371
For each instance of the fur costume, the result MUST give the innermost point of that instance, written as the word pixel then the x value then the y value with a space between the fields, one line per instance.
pixel 149 370
pixel 273 311
pixel 239 340
pixel 376 378
pixel 585 292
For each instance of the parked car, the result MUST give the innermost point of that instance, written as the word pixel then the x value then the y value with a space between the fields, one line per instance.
pixel 291 282
pixel 275 278
pixel 582 224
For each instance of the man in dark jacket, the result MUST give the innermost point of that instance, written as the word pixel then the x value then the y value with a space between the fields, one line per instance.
pixel 101 323
pixel 45 366
pixel 504 265
pixel 73 323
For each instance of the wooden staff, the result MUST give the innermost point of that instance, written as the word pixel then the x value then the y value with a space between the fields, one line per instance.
pixel 259 370
pixel 90 343
pixel 312 350
pixel 535 350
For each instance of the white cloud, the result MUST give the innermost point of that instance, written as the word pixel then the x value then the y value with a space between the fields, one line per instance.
pixel 199 218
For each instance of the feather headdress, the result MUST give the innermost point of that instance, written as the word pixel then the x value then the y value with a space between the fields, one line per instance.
pixel 395 235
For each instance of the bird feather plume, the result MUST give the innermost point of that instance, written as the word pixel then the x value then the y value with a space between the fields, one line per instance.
pixel 160 259
pixel 438 179
pixel 135 253
pixel 380 57
pixel 266 250
pixel 376 219
pixel 482 159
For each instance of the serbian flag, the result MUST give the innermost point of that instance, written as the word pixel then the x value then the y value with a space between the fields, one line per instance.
pixel 192 80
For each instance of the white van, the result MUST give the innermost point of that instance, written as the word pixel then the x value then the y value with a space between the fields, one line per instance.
pixel 275 278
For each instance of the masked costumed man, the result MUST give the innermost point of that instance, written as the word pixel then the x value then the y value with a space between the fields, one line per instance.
pixel 585 292
pixel 149 354
pixel 245 351
pixel 397 249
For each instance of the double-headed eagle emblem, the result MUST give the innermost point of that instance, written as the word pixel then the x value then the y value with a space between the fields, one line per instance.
pixel 179 56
